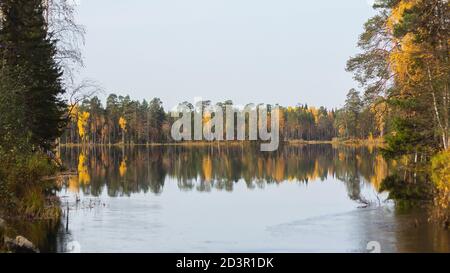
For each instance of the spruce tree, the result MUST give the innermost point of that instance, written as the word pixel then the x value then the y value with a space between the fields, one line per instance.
pixel 27 46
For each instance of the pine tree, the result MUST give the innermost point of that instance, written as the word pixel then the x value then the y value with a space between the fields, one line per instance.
pixel 405 66
pixel 352 108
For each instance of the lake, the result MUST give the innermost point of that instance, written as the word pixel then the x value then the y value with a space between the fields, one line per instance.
pixel 233 198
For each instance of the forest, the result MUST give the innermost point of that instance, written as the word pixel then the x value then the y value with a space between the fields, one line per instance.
pixel 127 121
pixel 404 101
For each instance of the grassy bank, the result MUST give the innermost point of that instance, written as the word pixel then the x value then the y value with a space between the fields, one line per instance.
pixel 27 192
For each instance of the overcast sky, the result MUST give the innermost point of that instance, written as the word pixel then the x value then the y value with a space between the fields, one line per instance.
pixel 249 51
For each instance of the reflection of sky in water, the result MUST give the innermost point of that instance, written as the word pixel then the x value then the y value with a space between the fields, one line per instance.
pixel 283 216
pixel 243 220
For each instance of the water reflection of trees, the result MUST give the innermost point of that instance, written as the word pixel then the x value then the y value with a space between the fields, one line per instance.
pixel 141 169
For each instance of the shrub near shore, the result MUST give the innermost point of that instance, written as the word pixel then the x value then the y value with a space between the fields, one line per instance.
pixel 26 188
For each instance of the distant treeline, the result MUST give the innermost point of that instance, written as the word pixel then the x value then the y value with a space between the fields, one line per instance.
pixel 123 120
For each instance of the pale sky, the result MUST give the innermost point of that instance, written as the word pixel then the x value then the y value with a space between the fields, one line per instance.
pixel 249 51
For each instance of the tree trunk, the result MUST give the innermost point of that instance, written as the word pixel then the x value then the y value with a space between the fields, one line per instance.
pixel 436 111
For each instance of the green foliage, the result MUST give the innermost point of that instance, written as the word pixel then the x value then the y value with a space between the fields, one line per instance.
pixel 440 176
pixel 440 171
pixel 308 123
pixel 357 120
pixel 31 110
pixel 405 140
pixel 352 108
pixel 23 188
pixel 404 61
pixel 11 118
pixel 34 78
pixel 411 187
pixel 145 121
pixel 412 130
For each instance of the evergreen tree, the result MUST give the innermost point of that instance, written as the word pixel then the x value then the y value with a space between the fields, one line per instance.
pixel 405 66
pixel 352 108
pixel 157 117
pixel 27 47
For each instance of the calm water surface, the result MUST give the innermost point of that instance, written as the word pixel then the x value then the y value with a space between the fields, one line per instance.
pixel 235 199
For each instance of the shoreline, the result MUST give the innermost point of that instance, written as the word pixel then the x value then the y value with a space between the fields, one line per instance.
pixel 364 142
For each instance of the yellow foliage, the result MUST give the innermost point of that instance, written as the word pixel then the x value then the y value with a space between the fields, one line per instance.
pixel 260 168
pixel 83 173
pixel 315 112
pixel 280 166
pixel 380 172
pixel 341 156
pixel 206 117
pixel 406 49
pixel 123 168
pixel 397 12
pixel 316 172
pixel 73 112
pixel 73 184
pixel 123 124
pixel 83 118
pixel 207 168
pixel 440 175
pixel 402 59
pixel 440 171
pixel 379 110
pixel 269 167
